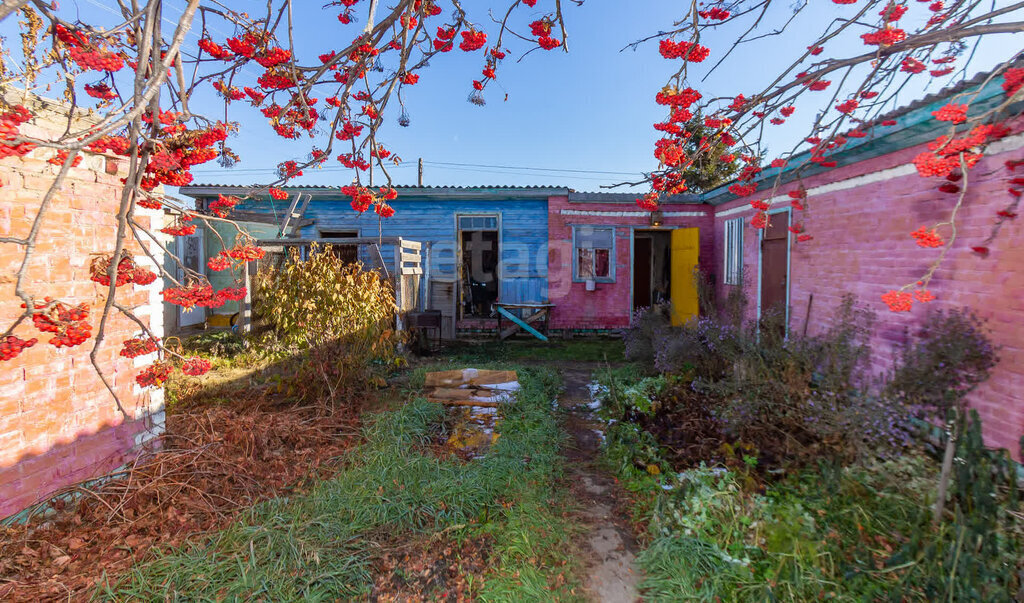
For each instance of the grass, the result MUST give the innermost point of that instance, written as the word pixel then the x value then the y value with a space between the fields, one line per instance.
pixel 322 545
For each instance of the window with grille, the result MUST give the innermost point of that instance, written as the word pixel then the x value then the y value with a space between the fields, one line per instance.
pixel 733 251
pixel 594 253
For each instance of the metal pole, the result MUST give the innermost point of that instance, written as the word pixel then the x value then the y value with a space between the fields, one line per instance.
pixel 420 179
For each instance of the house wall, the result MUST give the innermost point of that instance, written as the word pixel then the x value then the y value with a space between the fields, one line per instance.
pixel 217 233
pixel 58 423
pixel 609 306
pixel 861 217
pixel 523 224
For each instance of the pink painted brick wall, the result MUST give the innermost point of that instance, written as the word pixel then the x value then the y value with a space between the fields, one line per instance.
pixel 58 424
pixel 862 246
pixel 609 306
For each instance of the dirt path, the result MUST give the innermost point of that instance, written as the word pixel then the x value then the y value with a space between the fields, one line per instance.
pixel 611 575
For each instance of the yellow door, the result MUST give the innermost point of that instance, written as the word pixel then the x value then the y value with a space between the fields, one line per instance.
pixel 684 264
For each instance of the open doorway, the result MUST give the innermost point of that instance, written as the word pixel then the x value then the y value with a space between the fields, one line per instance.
pixel 479 253
pixel 348 254
pixel 652 268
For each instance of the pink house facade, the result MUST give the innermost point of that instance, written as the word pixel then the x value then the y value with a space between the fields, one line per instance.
pixel 609 299
pixel 860 215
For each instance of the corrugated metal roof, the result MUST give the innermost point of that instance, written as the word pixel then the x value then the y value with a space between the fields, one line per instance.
pixel 399 187
pixel 433 192
pixel 915 126
pixel 630 198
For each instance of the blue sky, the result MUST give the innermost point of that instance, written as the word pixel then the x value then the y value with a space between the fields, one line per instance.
pixel 590 110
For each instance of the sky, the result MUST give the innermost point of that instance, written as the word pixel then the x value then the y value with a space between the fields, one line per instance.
pixel 580 119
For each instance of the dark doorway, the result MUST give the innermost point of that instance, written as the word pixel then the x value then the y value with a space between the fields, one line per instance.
pixel 775 270
pixel 479 271
pixel 652 267
pixel 348 253
pixel 641 272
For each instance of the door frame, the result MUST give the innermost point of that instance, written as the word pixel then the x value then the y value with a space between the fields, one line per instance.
pixel 789 251
pixel 200 236
pixel 458 254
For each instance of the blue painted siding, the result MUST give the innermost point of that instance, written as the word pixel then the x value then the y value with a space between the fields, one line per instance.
pixel 523 225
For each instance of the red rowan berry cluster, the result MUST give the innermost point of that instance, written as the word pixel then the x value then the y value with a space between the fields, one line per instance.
pixel 11 346
pixel 9 129
pixel 221 206
pixel 155 374
pixel 688 51
pixel 67 323
pixel 232 294
pixel 150 203
pixel 714 14
pixel 215 50
pixel 195 366
pixel 62 156
pixel 951 112
pixel 927 238
pixel 181 227
pixel 101 91
pixel 884 37
pixel 95 60
pixel 99 267
pixel 246 253
pixel 898 301
pixel 138 347
pixel 473 40
pixel 201 295
pixel 218 263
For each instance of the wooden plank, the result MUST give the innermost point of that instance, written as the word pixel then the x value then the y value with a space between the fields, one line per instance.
pixel 411 271
pixel 465 403
pixel 407 244
pixel 506 333
pixel 524 306
pixel 461 393
pixel 468 377
pixel 411 257
pixel 526 327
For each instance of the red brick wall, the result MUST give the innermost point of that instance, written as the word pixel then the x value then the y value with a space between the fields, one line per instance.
pixel 58 424
pixel 861 217
pixel 609 306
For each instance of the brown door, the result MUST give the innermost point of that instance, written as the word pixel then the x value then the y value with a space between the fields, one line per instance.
pixel 641 272
pixel 774 269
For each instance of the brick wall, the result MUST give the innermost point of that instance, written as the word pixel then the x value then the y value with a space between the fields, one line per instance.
pixel 861 217
pixel 58 424
pixel 609 305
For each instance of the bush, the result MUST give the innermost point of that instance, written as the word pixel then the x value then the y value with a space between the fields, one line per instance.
pixel 793 400
pixel 332 320
pixel 948 358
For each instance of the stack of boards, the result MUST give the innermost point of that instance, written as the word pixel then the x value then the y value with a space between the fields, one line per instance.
pixel 471 387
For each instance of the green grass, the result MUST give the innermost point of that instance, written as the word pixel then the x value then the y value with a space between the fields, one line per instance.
pixel 590 349
pixel 859 532
pixel 321 545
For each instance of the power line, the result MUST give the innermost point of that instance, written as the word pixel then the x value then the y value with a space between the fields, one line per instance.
pixel 444 165
pixel 542 169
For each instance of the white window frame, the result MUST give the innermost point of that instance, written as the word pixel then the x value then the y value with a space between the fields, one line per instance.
pixel 733 269
pixel 575 255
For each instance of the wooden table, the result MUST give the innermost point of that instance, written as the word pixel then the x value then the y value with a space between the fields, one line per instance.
pixel 541 314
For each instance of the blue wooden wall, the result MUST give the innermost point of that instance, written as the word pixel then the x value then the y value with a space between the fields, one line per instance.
pixel 523 235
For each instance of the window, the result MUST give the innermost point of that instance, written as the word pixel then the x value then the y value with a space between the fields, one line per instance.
pixel 594 252
pixel 733 251
pixel 478 223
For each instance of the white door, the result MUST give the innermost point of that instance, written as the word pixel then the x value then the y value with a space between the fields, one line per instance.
pixel 190 252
